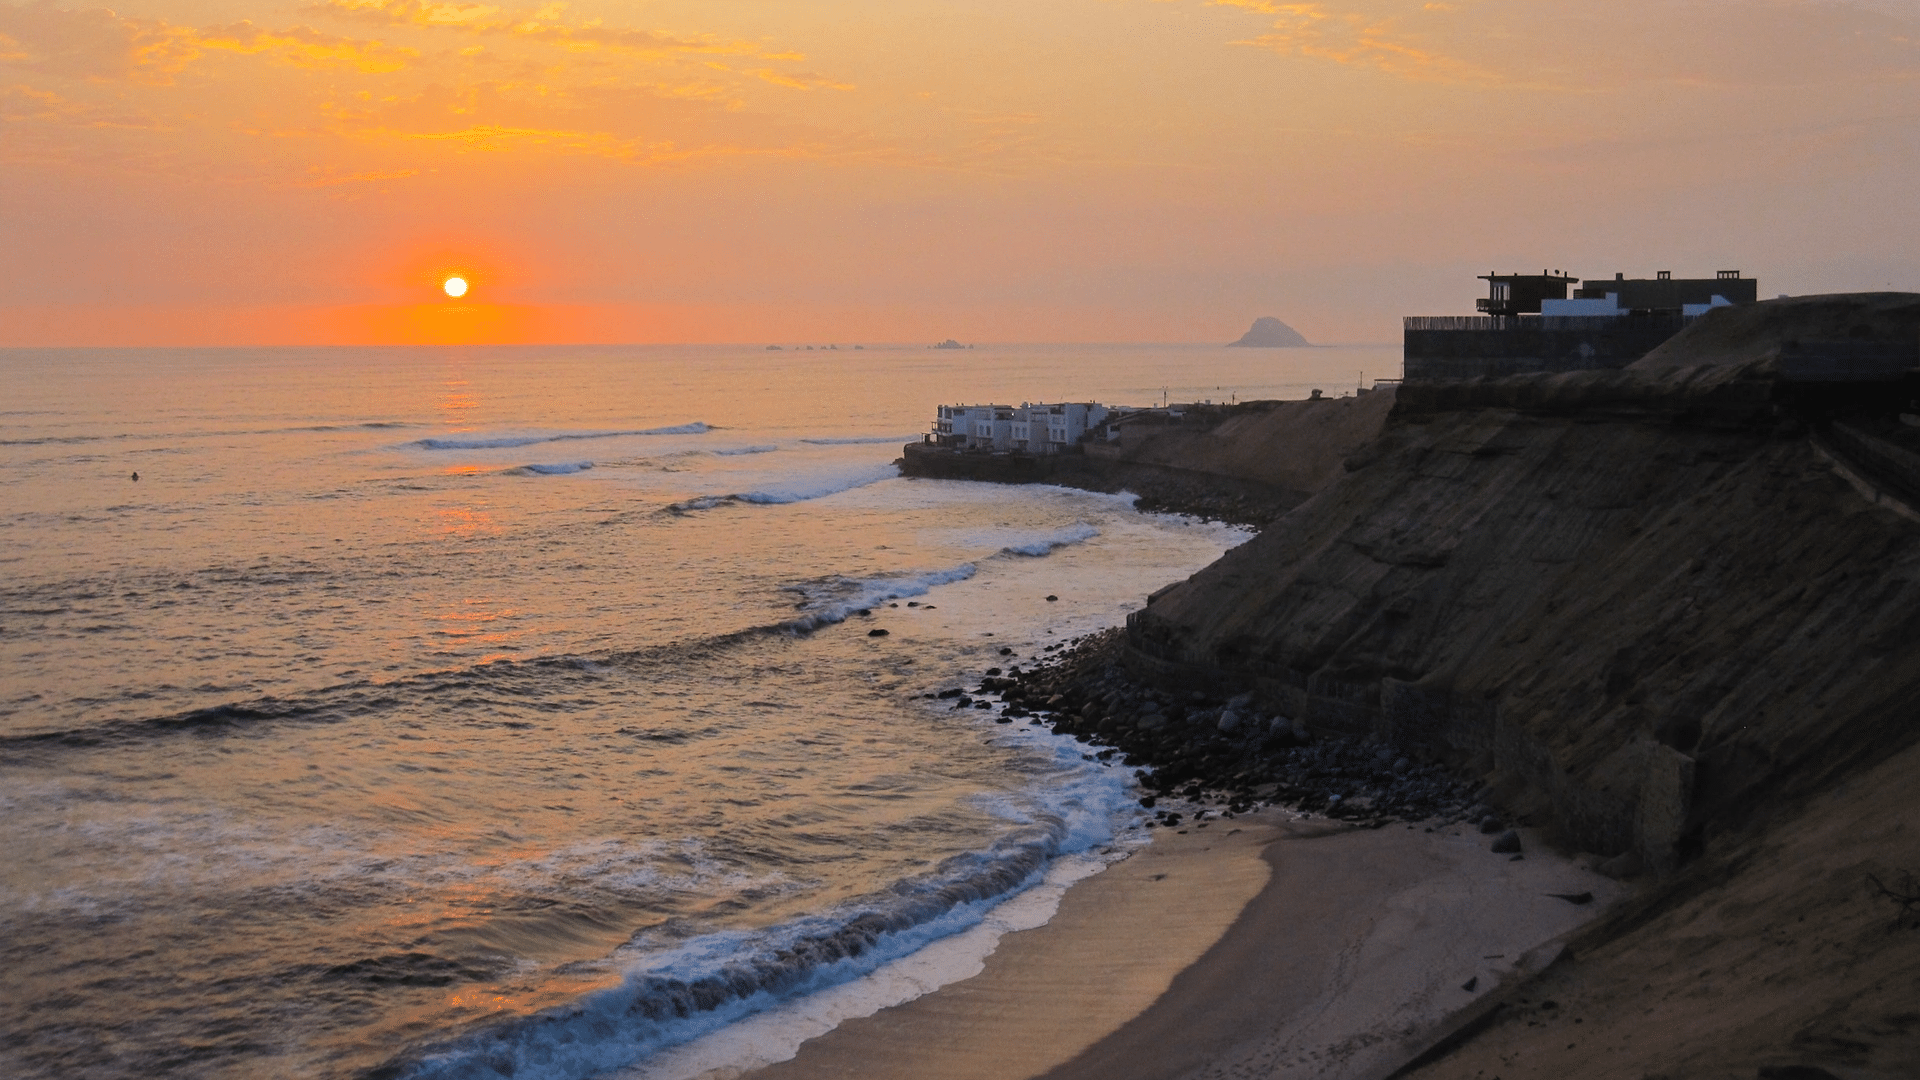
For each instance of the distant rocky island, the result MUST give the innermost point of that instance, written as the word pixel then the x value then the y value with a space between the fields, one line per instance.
pixel 1268 332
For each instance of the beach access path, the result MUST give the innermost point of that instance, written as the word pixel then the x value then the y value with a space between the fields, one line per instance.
pixel 1266 945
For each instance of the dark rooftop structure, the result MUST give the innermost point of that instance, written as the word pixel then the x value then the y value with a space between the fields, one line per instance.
pixel 1530 324
pixel 1665 292
pixel 1520 294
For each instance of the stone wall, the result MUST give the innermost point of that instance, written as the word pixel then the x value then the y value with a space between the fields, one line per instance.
pixel 1529 349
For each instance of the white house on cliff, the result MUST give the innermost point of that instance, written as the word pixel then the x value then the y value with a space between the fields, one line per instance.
pixel 1027 428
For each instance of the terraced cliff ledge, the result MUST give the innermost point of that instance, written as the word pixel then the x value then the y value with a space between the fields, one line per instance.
pixel 1643 603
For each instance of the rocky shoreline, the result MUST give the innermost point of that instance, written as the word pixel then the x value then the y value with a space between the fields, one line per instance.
pixel 1221 755
pixel 1159 489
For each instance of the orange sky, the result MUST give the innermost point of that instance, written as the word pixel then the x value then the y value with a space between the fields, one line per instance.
pixel 236 171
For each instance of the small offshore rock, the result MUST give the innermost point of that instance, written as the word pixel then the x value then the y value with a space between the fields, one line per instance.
pixel 1507 843
pixel 1470 984
pixel 876 633
pixel 1491 824
pixel 1051 598
pixel 1576 899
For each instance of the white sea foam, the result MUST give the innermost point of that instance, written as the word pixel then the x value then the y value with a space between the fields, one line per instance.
pixel 505 441
pixel 848 595
pixel 794 490
pixel 734 1000
pixel 1077 533
pixel 559 468
pixel 739 450
pixel 776 1034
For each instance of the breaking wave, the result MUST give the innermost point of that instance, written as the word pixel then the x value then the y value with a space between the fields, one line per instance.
pixel 505 441
pixel 832 600
pixel 557 469
pixel 792 491
pixel 675 993
pixel 1077 533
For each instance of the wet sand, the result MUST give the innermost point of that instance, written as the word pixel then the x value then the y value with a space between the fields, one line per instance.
pixel 1261 946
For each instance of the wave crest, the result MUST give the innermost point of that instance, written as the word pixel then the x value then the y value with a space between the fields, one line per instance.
pixel 507 441
pixel 1077 533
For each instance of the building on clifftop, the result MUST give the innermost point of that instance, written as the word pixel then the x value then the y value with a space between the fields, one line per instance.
pixel 1026 428
pixel 1530 323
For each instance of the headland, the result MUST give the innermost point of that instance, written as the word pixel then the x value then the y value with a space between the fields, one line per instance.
pixel 1661 621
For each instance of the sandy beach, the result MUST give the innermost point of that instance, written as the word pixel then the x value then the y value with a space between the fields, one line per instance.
pixel 1266 945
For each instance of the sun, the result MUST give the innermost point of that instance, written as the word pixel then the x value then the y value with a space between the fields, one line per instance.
pixel 455 287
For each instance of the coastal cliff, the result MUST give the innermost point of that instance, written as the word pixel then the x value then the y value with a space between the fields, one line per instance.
pixel 1665 613
pixel 1249 463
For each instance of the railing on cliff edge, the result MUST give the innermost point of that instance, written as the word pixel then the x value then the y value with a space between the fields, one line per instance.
pixel 1545 322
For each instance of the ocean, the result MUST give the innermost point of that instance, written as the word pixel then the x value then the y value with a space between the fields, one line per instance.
pixel 475 712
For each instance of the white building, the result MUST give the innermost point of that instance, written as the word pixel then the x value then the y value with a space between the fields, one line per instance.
pixel 1028 428
pixel 1609 307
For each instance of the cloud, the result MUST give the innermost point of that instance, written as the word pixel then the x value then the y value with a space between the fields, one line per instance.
pixel 543 25
pixel 100 45
pixel 527 81
pixel 21 103
pixel 592 143
pixel 410 13
pixel 1527 44
pixel 800 80
pixel 356 178
pixel 300 47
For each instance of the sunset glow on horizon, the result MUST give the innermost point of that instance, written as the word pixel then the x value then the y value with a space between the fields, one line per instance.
pixel 295 171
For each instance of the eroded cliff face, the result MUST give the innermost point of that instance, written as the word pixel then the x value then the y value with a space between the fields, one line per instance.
pixel 1291 447
pixel 1643 602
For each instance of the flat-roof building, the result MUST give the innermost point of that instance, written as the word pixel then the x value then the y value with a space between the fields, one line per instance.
pixel 1531 324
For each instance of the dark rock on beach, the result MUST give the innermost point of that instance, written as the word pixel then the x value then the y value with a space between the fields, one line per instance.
pixel 1226 751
